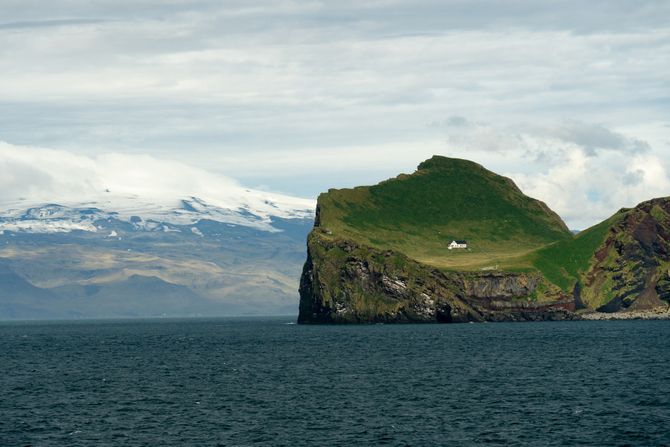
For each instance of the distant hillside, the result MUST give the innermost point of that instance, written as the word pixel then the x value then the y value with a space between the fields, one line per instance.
pixel 127 257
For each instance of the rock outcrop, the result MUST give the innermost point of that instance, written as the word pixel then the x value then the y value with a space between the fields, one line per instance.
pixel 631 268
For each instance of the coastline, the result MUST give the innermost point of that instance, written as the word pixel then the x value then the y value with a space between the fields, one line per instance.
pixel 658 313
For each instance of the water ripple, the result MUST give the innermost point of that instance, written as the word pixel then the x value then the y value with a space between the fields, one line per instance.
pixel 265 382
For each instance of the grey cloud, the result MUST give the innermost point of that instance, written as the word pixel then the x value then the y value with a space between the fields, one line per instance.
pixel 452 121
pixel 633 178
pixel 381 18
pixel 594 137
pixel 50 23
pixel 457 121
pixel 590 135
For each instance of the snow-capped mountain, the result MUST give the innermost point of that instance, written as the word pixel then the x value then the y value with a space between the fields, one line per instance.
pixel 44 190
pixel 244 207
pixel 120 235
pixel 131 256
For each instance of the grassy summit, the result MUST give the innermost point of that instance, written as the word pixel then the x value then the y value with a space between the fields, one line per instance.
pixel 445 199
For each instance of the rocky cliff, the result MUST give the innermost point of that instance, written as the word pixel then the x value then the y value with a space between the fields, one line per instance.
pixel 630 270
pixel 343 282
pixel 380 253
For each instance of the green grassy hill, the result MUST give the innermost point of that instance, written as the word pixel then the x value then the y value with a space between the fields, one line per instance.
pixel 564 262
pixel 445 199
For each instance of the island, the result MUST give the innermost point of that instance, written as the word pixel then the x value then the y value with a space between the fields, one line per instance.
pixel 455 242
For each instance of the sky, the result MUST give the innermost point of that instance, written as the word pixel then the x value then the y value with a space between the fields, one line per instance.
pixel 570 99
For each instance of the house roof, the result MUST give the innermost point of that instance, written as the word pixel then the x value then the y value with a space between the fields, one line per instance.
pixel 460 242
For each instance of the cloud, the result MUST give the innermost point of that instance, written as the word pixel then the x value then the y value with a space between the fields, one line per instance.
pixel 633 178
pixel 37 175
pixel 585 189
pixel 307 95
pixel 452 121
pixel 583 171
pixel 50 175
pixel 593 137
pixel 48 23
pixel 457 121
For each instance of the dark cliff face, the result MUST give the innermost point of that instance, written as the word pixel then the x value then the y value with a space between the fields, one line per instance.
pixel 631 269
pixel 344 282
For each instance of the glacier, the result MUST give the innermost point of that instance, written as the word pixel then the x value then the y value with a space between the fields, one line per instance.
pixel 241 206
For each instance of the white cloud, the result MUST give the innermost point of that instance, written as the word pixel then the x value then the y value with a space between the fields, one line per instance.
pixel 584 172
pixel 43 174
pixel 30 176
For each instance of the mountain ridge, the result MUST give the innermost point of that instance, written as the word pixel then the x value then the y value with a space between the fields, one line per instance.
pixel 240 260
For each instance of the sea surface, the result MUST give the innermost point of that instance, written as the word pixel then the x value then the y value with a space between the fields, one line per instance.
pixel 228 382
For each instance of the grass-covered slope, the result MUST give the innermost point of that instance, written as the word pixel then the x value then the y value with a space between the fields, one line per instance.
pixel 445 199
pixel 620 263
pixel 565 262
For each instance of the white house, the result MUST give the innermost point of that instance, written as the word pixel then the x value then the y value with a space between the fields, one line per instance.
pixel 458 244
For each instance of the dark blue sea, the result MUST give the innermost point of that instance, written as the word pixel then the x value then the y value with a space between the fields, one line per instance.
pixel 242 382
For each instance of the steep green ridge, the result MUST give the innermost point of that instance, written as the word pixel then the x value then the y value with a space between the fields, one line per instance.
pixel 622 262
pixel 630 269
pixel 564 262
pixel 445 199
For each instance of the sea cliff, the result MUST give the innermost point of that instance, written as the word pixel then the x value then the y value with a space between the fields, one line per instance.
pixel 343 282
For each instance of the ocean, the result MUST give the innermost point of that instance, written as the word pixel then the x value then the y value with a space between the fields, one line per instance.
pixel 268 382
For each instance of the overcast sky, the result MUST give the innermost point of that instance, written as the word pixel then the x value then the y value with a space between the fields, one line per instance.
pixel 569 98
